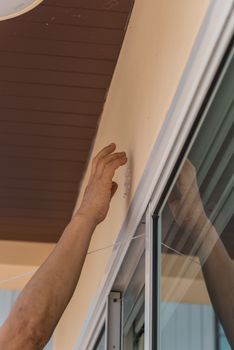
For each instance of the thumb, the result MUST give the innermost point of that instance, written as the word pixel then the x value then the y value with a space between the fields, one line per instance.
pixel 114 188
pixel 174 199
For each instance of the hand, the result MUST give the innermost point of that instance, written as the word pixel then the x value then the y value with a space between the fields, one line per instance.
pixel 187 207
pixel 101 188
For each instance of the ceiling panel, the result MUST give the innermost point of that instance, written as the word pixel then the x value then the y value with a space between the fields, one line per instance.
pixel 57 33
pixel 104 5
pixel 76 16
pixel 48 77
pixel 56 65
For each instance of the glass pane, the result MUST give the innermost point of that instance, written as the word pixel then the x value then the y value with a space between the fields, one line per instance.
pixel 222 340
pixel 133 309
pixel 7 300
pixel 134 332
pixel 197 237
pixel 101 341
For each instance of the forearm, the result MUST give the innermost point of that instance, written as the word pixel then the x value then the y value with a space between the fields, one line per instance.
pixel 218 271
pixel 47 294
pixel 42 302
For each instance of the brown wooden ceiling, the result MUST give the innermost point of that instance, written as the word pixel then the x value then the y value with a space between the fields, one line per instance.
pixel 56 64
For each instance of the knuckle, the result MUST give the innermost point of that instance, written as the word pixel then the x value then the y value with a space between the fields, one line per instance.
pixel 101 162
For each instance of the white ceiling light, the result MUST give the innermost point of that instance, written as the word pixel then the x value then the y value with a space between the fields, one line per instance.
pixel 14 8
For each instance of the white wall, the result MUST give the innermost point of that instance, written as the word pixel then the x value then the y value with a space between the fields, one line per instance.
pixel 158 42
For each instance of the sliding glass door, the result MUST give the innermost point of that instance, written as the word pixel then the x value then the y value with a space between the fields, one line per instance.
pixel 100 345
pixel 134 310
pixel 196 235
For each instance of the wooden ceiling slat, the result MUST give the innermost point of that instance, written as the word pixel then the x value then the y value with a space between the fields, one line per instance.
pixel 38 153
pixel 42 235
pixel 108 5
pixel 43 195
pixel 60 49
pixel 54 189
pixel 49 105
pixel 31 222
pixel 54 78
pixel 29 225
pixel 78 120
pixel 44 141
pixel 42 169
pixel 64 208
pixel 40 174
pixel 48 130
pixel 52 92
pixel 63 64
pixel 56 32
pixel 35 213
pixel 56 64
pixel 75 17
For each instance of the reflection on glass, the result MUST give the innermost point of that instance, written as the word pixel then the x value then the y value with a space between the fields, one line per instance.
pixel 134 337
pixel 197 272
pixel 101 341
pixel 133 310
pixel 222 340
pixel 197 243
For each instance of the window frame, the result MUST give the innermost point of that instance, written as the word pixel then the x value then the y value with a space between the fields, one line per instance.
pixel 96 335
pixel 210 46
pixel 103 332
pixel 114 309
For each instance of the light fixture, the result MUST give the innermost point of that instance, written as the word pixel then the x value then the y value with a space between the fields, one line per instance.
pixel 14 8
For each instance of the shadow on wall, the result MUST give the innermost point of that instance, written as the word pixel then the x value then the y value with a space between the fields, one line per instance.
pixel 128 181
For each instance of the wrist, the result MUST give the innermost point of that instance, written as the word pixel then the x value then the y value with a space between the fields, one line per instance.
pixel 202 222
pixel 85 218
pixel 207 243
pixel 195 221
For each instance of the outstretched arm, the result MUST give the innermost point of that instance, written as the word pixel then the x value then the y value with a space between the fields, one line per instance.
pixel 217 266
pixel 44 299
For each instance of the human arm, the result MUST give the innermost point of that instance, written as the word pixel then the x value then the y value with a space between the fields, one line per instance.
pixel 44 299
pixel 217 266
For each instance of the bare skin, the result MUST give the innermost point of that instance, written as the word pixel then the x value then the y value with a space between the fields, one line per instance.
pixel 44 299
pixel 217 266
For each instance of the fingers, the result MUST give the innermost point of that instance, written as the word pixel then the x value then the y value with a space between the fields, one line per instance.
pixel 104 152
pixel 175 195
pixel 186 176
pixel 188 169
pixel 112 166
pixel 189 165
pixel 106 160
